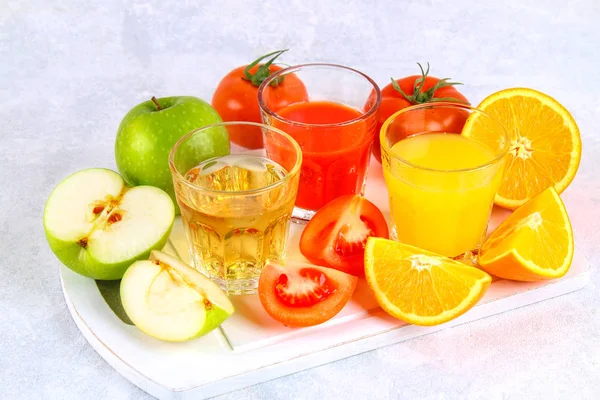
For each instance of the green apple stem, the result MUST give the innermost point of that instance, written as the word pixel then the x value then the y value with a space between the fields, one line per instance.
pixel 155 100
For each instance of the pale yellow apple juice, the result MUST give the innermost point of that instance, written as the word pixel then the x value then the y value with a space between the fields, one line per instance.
pixel 233 229
pixel 442 193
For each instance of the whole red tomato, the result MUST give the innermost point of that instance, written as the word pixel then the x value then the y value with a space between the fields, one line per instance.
pixel 418 89
pixel 236 97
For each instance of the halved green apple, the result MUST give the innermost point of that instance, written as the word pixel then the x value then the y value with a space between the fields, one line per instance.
pixel 169 300
pixel 98 226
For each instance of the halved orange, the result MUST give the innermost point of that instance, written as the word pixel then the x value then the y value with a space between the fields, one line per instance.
pixel 418 286
pixel 544 143
pixel 534 243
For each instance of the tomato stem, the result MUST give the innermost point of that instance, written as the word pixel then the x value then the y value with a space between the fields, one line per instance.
pixel 263 71
pixel 419 97
pixel 155 101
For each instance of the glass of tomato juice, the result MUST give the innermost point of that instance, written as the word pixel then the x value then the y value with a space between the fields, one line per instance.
pixel 335 126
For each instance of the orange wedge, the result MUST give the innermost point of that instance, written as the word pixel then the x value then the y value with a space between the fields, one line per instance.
pixel 418 286
pixel 533 243
pixel 544 143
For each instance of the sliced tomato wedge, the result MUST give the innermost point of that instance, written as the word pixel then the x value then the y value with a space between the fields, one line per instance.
pixel 301 294
pixel 337 234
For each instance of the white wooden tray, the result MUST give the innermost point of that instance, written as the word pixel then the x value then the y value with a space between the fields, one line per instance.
pixel 250 347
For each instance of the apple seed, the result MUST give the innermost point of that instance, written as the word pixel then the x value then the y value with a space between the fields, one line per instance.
pixel 114 217
pixel 98 209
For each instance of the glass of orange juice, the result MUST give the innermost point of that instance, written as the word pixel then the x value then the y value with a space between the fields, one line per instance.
pixel 442 185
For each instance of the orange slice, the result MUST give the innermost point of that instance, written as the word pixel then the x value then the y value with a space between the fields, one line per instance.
pixel 533 243
pixel 418 286
pixel 544 143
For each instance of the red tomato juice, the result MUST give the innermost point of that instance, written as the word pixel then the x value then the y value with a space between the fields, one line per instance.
pixel 336 147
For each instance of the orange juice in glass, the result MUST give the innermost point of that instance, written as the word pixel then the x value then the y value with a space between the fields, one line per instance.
pixel 441 185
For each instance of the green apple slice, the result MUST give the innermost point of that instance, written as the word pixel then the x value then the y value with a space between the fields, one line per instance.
pixel 172 301
pixel 98 226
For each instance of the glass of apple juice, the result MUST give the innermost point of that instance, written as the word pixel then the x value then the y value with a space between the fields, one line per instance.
pixel 236 208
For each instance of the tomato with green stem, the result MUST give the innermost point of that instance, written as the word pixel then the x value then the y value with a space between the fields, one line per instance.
pixel 418 89
pixel 236 97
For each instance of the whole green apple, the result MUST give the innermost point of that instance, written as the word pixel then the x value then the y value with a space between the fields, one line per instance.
pixel 149 130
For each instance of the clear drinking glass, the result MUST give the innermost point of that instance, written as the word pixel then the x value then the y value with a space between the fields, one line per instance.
pixel 236 208
pixel 335 126
pixel 442 184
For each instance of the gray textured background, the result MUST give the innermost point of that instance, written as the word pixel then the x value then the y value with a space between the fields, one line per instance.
pixel 69 71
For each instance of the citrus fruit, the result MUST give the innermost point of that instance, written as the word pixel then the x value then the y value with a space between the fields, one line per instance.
pixel 418 286
pixel 544 143
pixel 533 243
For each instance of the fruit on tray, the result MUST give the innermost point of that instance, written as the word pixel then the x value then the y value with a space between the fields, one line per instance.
pixel 420 287
pixel 149 130
pixel 236 97
pixel 418 89
pixel 337 234
pixel 533 243
pixel 301 294
pixel 97 226
pixel 172 301
pixel 545 145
